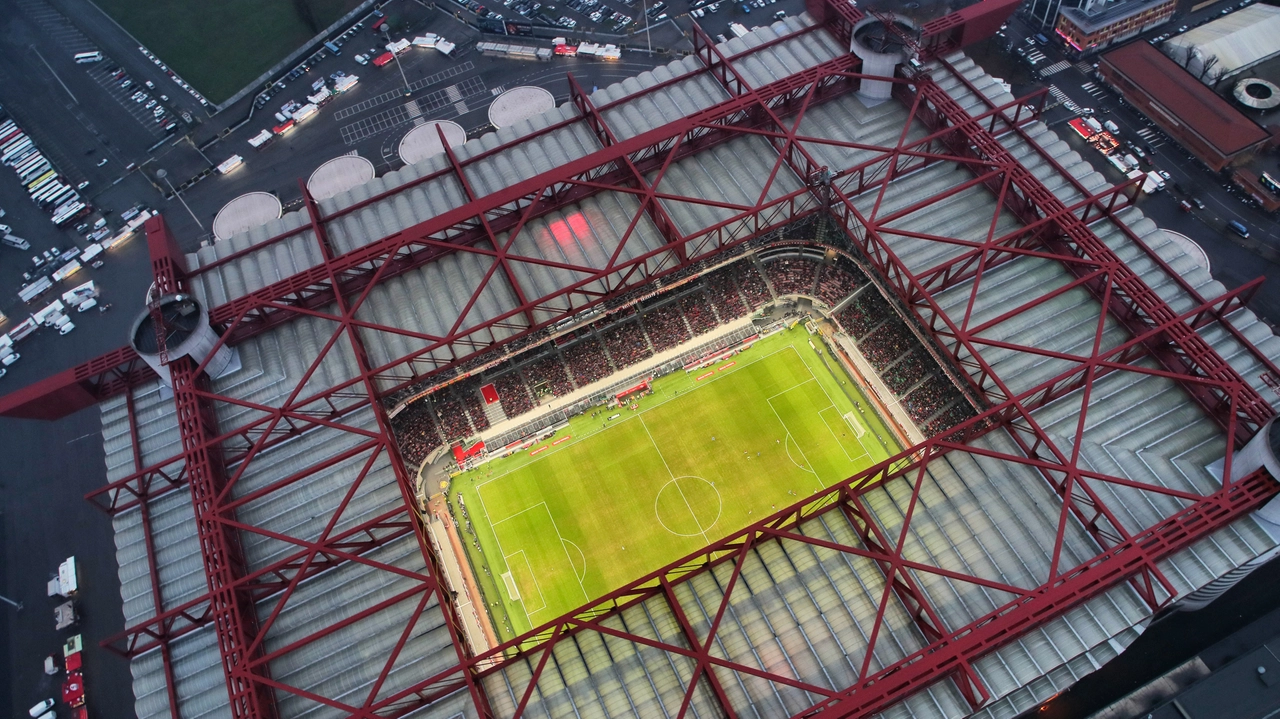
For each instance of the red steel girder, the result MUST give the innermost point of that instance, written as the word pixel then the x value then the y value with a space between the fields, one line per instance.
pixel 233 613
pixel 1126 296
pixel 1110 213
pixel 353 272
pixel 1101 361
pixel 153 571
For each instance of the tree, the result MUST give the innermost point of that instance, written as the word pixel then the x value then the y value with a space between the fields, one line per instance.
pixel 1207 65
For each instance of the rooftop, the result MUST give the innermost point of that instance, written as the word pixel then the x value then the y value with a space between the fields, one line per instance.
pixel 1240 40
pixel 1109 14
pixel 1185 99
pixel 975 574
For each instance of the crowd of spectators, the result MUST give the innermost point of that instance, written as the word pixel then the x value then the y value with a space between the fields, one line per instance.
pixel 695 309
pixel 889 342
pixel 469 391
pixel 948 418
pixel 724 295
pixel 864 314
pixel 513 394
pixel 451 414
pixel 906 372
pixel 415 432
pixel 753 287
pixel 549 372
pixel 626 344
pixel 587 362
pixel 928 399
pixel 791 275
pixel 665 327
pixel 837 282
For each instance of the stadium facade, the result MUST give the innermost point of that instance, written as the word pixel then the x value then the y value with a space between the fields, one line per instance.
pixel 1116 458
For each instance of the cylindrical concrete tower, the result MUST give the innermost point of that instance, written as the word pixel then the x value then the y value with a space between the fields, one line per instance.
pixel 187 333
pixel 882 50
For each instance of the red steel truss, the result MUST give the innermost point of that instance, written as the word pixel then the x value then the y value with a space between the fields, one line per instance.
pixel 213 459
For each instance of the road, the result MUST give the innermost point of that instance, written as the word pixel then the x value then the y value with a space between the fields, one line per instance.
pixel 1233 259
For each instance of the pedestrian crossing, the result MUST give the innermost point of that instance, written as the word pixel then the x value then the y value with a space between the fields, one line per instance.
pixel 1151 137
pixel 1055 68
pixel 1084 66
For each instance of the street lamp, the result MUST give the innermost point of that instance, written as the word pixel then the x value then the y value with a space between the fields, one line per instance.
pixel 163 174
pixel 10 602
pixel 386 33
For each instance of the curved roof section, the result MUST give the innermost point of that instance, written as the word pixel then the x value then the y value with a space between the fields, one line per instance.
pixel 1240 40
pixel 250 210
pixel 339 175
pixel 423 141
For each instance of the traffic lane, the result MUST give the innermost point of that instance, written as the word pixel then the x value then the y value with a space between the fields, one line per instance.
pixel 1233 260
pixel 1184 169
pixel 123 281
pixel 49 467
pixel 48 83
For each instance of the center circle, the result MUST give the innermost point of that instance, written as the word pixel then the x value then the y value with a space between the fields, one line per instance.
pixel 687 506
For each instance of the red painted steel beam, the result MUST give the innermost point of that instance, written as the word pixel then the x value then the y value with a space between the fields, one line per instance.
pixel 1118 564
pixel 1110 213
pixel 311 559
pixel 315 288
pixel 153 572
pixel 234 616
pixel 431 584
pixel 1127 297
pixel 74 389
pixel 590 617
pixel 904 586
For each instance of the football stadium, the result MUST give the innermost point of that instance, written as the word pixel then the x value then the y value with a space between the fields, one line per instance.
pixel 810 374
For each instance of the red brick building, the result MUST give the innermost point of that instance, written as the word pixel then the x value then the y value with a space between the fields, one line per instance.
pixel 1095 26
pixel 1188 111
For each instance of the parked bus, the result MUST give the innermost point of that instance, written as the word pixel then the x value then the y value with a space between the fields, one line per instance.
pixel 48 191
pixel 63 197
pixel 87 57
pixel 28 163
pixel 35 160
pixel 9 135
pixel 43 184
pixel 34 171
pixel 40 179
pixel 15 141
pixel 69 214
pixel 18 150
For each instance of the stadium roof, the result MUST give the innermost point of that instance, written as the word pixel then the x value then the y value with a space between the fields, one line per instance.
pixel 1184 100
pixel 271 558
pixel 1240 40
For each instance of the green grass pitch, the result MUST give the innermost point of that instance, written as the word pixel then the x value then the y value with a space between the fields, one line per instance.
pixel 699 460
pixel 219 47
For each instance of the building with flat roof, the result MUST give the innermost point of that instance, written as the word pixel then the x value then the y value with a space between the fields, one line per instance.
pixel 1096 25
pixel 1205 124
pixel 1229 45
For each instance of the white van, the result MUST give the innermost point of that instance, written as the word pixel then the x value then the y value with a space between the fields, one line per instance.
pixel 66 328
pixel 87 305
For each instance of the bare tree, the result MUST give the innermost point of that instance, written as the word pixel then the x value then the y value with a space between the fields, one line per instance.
pixel 1207 65
pixel 1215 76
